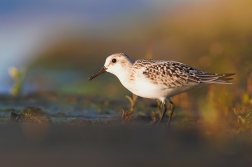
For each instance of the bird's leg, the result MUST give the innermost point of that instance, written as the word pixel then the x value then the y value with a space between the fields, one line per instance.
pixel 164 111
pixel 172 109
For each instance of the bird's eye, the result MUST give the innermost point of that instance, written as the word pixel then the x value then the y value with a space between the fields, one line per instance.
pixel 113 60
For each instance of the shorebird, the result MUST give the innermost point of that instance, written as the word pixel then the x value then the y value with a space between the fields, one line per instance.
pixel 158 79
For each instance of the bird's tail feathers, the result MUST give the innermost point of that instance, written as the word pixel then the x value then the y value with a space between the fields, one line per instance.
pixel 216 78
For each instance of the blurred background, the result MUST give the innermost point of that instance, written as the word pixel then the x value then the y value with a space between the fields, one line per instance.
pixel 62 43
pixel 57 44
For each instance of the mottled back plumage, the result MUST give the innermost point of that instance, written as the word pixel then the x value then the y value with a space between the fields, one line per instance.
pixel 175 74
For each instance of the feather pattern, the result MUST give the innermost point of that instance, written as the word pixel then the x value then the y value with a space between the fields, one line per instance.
pixel 175 74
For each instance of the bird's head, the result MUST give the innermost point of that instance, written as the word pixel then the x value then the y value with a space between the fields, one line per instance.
pixel 116 63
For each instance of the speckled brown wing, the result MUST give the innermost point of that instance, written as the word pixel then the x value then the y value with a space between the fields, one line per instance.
pixel 169 73
pixel 175 74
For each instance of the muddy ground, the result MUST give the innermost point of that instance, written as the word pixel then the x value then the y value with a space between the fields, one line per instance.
pixel 49 129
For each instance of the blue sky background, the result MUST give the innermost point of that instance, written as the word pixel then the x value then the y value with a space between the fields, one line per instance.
pixel 26 26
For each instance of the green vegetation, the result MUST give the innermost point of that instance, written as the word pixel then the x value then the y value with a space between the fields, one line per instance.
pixel 30 114
pixel 18 76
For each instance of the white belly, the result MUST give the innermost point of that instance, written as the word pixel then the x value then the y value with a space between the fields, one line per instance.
pixel 146 89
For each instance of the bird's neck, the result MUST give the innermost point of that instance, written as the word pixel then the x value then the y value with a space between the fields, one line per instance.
pixel 125 75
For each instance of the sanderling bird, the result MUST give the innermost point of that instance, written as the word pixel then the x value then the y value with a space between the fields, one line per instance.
pixel 158 79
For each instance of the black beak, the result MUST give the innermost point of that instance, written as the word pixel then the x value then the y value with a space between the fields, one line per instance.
pixel 103 70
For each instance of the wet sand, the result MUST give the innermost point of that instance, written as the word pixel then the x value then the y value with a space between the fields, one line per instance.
pixel 30 145
pixel 87 131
